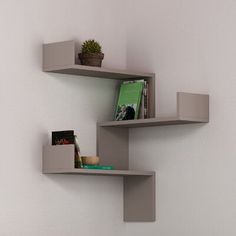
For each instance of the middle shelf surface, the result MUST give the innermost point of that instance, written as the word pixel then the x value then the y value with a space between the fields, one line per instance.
pixel 151 122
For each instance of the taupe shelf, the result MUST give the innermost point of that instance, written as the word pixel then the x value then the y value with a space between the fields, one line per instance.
pixel 59 159
pixel 139 186
pixel 98 72
pixel 113 136
pixel 149 122
pixel 61 58
pixel 191 109
pixel 100 172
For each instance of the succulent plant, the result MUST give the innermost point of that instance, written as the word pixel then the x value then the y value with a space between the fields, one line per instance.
pixel 91 46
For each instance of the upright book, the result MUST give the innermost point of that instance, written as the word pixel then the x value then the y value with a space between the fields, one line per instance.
pixel 129 100
pixel 144 108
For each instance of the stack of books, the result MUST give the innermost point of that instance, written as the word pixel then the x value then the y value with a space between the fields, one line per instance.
pixel 132 101
pixel 98 167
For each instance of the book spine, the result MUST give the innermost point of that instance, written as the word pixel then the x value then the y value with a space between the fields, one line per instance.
pixel 141 112
pixel 78 159
pixel 146 108
pixel 139 100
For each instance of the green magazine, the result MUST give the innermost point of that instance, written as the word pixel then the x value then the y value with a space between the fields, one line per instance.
pixel 97 167
pixel 129 100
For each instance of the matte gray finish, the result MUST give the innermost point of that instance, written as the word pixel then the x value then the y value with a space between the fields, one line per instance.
pixel 100 172
pixel 148 122
pixel 139 198
pixel 58 54
pixel 193 107
pixel 112 143
pixel 61 57
pixel 139 186
pixel 113 147
pixel 113 136
pixel 139 192
pixel 151 96
pixel 99 72
pixel 58 157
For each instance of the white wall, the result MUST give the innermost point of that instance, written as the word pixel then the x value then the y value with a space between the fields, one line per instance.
pixel 191 46
pixel 34 103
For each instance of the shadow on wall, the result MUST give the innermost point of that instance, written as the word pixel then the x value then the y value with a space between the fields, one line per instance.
pixel 165 145
pixel 167 133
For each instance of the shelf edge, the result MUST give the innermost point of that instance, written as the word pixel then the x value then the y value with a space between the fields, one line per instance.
pixel 100 172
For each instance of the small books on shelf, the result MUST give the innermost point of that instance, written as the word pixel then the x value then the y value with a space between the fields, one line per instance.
pixel 132 101
pixel 98 167
pixel 67 137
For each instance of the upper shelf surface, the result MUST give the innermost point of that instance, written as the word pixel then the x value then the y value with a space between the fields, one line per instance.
pixel 61 57
pixel 98 72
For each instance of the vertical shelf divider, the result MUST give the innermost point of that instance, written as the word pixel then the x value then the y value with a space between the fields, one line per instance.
pixel 139 198
pixel 113 147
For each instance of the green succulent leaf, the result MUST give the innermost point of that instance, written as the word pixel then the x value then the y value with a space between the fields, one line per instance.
pixel 91 46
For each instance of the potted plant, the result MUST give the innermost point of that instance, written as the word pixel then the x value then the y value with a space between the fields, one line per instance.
pixel 91 53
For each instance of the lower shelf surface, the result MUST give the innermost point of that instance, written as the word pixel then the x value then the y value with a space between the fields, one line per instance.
pixel 100 172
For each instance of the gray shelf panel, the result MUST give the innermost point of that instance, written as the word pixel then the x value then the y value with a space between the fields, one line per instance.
pixel 139 186
pixel 150 122
pixel 61 57
pixel 113 136
pixel 98 72
pixel 100 172
pixel 191 108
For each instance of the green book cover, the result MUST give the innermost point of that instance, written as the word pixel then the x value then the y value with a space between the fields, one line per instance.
pixel 98 167
pixel 129 100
